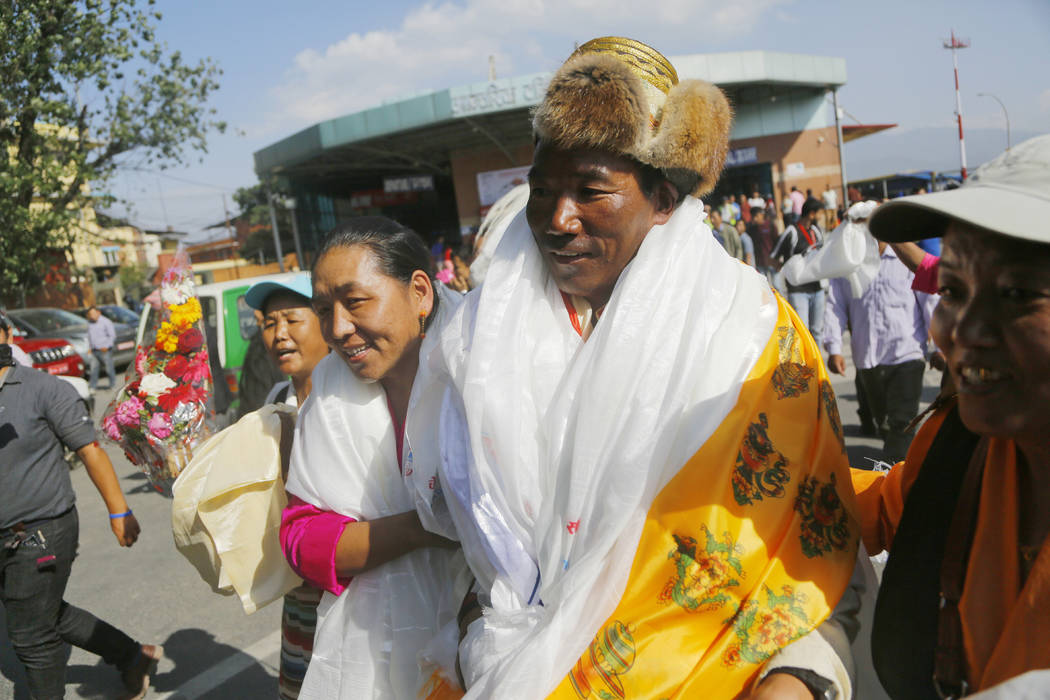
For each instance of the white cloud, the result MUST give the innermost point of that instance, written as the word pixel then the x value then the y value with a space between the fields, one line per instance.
pixel 449 43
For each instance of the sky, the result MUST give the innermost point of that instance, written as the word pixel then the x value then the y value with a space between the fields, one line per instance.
pixel 289 65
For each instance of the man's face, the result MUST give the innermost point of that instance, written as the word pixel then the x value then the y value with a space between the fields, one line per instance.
pixel 716 218
pixel 589 215
pixel 93 315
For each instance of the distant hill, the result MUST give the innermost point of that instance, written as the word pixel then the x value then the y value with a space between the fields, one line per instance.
pixel 932 148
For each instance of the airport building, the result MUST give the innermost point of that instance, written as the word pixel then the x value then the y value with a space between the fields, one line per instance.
pixel 437 161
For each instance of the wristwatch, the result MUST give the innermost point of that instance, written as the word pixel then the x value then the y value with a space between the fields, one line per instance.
pixel 821 687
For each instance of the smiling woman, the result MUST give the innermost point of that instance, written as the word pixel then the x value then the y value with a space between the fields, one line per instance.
pixel 966 516
pixel 350 526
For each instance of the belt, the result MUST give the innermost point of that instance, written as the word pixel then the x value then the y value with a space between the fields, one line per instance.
pixel 23 525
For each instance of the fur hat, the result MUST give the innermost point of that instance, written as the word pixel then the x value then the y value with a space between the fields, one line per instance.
pixel 619 95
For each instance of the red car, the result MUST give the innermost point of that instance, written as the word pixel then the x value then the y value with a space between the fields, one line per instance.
pixel 53 355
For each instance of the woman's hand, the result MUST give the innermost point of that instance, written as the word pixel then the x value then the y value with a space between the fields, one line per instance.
pixel 366 544
pixel 431 539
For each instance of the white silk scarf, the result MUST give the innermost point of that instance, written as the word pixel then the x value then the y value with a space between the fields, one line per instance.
pixel 369 638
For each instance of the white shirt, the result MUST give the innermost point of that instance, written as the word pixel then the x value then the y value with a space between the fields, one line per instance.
pixel 831 199
pixel 20 356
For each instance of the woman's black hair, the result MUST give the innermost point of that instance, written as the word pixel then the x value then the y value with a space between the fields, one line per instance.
pixel 397 249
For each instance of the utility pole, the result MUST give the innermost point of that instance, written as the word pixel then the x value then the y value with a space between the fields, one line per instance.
pixel 276 233
pixel 229 232
pixel 290 203
pixel 842 151
pixel 955 44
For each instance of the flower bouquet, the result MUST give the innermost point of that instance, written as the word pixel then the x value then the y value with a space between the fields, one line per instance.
pixel 159 416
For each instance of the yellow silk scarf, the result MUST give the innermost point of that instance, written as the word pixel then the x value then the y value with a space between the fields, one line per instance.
pixel 746 549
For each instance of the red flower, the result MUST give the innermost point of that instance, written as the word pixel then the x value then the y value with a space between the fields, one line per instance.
pixel 190 341
pixel 176 367
pixel 184 393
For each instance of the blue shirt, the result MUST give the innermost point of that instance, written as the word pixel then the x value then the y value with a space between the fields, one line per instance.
pixel 101 333
pixel 888 324
pixel 749 248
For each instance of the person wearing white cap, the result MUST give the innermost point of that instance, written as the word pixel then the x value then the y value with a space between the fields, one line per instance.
pixel 966 516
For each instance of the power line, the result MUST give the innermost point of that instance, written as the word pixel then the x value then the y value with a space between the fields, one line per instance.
pixel 188 181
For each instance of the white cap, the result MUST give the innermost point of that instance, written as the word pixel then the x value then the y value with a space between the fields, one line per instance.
pixel 1009 195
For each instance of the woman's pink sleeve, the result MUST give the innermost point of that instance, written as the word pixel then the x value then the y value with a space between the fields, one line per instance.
pixel 309 537
pixel 926 275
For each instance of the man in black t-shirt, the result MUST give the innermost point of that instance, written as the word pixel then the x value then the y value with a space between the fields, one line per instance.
pixel 807 299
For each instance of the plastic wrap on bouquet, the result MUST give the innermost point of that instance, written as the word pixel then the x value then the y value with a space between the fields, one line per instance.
pixel 159 416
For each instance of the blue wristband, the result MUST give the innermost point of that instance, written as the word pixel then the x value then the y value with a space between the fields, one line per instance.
pixel 114 516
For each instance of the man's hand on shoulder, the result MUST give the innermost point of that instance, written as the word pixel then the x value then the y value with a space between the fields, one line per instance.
pixel 781 686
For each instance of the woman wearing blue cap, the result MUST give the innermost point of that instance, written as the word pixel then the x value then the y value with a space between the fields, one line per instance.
pixel 292 337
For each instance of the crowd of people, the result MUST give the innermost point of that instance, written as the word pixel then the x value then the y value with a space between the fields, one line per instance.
pixel 616 468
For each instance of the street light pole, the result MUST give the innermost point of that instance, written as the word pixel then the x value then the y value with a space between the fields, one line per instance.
pixel 1005 114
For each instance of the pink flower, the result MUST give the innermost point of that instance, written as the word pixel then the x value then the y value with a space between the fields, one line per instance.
pixel 445 273
pixel 160 425
pixel 110 426
pixel 140 362
pixel 197 373
pixel 128 412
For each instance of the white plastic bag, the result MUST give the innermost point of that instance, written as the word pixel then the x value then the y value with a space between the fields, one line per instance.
pixel 226 510
pixel 850 251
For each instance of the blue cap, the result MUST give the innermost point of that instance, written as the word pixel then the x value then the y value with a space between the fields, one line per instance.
pixel 259 292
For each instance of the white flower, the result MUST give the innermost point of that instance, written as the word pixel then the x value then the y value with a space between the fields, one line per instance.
pixel 176 292
pixel 155 384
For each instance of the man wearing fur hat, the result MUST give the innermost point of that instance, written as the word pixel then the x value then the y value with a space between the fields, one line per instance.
pixel 641 452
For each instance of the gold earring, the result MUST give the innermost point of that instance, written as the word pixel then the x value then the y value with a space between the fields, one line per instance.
pixel 422 324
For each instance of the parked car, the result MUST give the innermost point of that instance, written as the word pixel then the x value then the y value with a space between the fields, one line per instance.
pixel 53 355
pixel 47 322
pixel 228 321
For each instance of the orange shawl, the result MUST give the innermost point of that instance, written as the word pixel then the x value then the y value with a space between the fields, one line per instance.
pixel 1006 622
